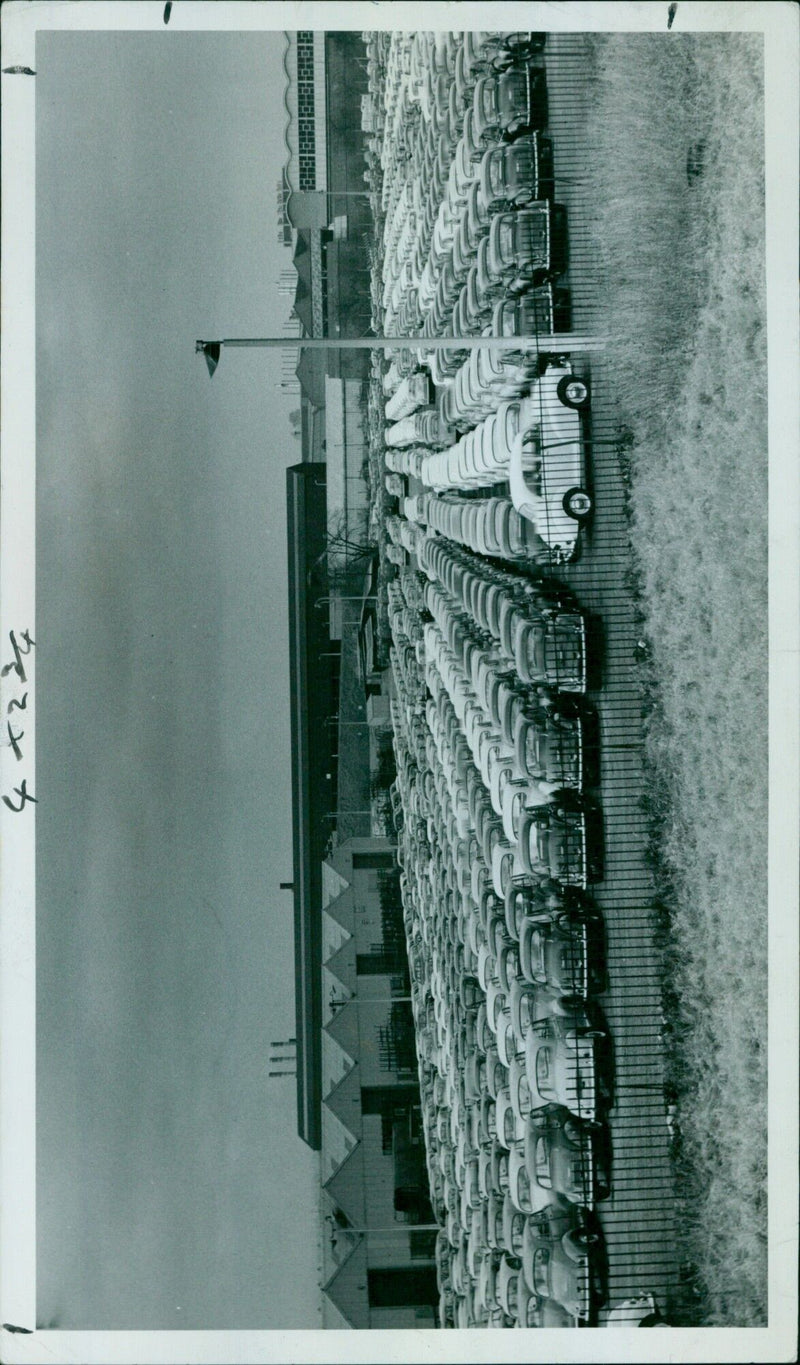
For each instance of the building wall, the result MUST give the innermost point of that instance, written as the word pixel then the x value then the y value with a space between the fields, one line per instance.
pixel 348 264
pixel 391 1162
pixel 346 450
pixel 401 1317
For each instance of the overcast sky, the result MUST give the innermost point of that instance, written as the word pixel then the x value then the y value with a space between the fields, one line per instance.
pixel 172 1187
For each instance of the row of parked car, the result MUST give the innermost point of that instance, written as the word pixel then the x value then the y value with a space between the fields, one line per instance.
pixel 504 971
pixel 490 263
pixel 496 742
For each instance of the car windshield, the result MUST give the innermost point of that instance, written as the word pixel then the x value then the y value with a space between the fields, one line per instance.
pixel 542 1162
pixel 538 965
pixel 523 1189
pixel 506 321
pixel 563 855
pixel 541 1276
pixel 541 749
pixel 489 101
pixel 544 1072
pixel 537 310
pixel 512 1293
pixel 537 660
pixel 497 172
pixel 506 235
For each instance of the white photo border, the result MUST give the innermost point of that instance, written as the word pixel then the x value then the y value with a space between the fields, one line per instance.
pixel 779 22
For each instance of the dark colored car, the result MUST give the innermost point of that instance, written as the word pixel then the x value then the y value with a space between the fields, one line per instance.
pixel 551 649
pixel 549 747
pixel 557 842
pixel 517 174
pixel 511 103
pixel 564 952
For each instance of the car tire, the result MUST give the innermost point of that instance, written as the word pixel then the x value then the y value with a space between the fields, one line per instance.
pixel 579 1241
pixel 573 1132
pixel 577 503
pixel 573 391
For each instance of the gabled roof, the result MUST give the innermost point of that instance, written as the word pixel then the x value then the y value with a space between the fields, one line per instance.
pixel 310 372
pixel 346 1187
pixel 342 965
pixel 332 883
pixel 335 1062
pixel 337 1143
pixel 347 1288
pixel 345 1101
pixel 344 1028
pixel 342 909
pixel 333 936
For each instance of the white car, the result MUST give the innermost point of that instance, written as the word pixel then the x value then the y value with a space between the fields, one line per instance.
pixel 546 473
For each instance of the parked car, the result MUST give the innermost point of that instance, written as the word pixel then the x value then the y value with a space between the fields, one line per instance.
pixel 641 1311
pixel 547 473
pixel 540 311
pixel 510 103
pixel 550 648
pixel 535 1312
pixel 508 1277
pixel 500 49
pixel 422 426
pixel 561 843
pixel 556 953
pixel 548 747
pixel 517 174
pixel 515 255
pixel 413 392
pixel 557 1262
pixel 563 1156
pixel 560 1062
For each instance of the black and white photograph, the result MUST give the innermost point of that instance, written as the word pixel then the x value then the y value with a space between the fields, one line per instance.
pixel 399 552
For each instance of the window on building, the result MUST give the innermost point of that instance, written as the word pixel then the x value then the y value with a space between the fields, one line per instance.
pixel 400 1287
pixel 397 1047
pixel 422 1244
pixel 380 961
pixel 381 860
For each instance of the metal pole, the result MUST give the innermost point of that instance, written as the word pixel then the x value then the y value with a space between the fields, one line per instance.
pixel 394 1227
pixel 555 342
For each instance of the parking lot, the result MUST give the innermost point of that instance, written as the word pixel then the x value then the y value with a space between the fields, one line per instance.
pixel 517 700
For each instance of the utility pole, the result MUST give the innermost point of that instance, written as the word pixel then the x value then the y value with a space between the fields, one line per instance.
pixel 555 343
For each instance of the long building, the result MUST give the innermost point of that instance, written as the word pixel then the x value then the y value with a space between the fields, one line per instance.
pixel 314 691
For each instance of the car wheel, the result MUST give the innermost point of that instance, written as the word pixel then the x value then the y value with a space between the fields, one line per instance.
pixel 573 1132
pixel 577 1242
pixel 577 503
pixel 566 710
pixel 573 392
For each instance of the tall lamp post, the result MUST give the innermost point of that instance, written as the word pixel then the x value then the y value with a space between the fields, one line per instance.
pixel 556 342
